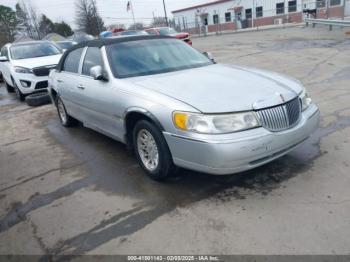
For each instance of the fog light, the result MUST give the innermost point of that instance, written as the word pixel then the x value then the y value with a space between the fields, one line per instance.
pixel 25 83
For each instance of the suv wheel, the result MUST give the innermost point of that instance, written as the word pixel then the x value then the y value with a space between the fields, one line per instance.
pixel 8 87
pixel 152 151
pixel 66 120
pixel 18 92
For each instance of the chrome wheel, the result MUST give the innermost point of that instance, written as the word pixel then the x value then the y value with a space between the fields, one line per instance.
pixel 61 111
pixel 147 149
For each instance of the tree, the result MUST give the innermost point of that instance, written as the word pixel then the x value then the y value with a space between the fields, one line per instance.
pixel 87 17
pixel 46 26
pixel 63 29
pixel 22 20
pixel 27 20
pixel 7 23
pixel 137 26
pixel 159 21
pixel 34 21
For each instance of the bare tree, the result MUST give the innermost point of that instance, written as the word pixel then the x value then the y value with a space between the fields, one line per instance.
pixel 87 17
pixel 137 26
pixel 159 21
pixel 27 20
pixel 34 21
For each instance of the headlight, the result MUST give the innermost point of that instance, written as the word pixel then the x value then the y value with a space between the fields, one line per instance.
pixel 305 100
pixel 23 70
pixel 215 124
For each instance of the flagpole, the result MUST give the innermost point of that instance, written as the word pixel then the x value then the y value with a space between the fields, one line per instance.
pixel 133 16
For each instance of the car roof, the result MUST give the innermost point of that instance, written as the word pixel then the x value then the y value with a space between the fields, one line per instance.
pixel 108 41
pixel 113 40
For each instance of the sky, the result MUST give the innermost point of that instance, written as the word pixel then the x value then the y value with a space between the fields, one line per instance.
pixel 112 11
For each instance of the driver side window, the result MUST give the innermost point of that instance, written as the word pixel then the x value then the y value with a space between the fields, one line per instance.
pixel 71 64
pixel 92 58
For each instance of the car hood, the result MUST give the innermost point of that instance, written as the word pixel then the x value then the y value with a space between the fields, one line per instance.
pixel 223 88
pixel 37 61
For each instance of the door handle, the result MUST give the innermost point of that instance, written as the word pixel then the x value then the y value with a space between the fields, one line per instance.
pixel 80 86
pixel 59 81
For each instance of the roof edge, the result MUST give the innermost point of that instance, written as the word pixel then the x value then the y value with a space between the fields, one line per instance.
pixel 201 5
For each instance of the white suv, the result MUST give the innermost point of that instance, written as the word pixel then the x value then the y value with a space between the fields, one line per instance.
pixel 25 66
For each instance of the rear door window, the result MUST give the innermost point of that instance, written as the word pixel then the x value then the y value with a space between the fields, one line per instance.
pixel 71 64
pixel 92 58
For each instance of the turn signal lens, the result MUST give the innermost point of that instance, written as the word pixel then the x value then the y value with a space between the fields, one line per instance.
pixel 180 120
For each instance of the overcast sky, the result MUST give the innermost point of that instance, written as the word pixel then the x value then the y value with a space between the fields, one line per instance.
pixel 112 11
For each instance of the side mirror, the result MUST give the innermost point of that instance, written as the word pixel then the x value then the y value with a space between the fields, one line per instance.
pixel 3 59
pixel 98 73
pixel 210 56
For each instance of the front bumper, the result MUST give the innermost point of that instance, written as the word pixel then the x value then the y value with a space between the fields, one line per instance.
pixel 36 83
pixel 243 150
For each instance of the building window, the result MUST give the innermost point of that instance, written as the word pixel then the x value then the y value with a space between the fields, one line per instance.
pixel 215 19
pixel 248 13
pixel 259 11
pixel 320 3
pixel 334 2
pixel 280 8
pixel 228 17
pixel 292 6
pixel 206 21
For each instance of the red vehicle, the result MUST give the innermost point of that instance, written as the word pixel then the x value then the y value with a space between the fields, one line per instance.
pixel 170 32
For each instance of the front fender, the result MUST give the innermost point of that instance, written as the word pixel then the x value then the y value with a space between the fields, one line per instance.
pixel 144 112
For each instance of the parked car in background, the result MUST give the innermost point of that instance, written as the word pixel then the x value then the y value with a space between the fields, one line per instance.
pixel 25 66
pixel 168 31
pixel 64 45
pixel 131 33
pixel 175 107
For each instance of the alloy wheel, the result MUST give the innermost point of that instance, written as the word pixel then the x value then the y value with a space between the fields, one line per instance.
pixel 147 149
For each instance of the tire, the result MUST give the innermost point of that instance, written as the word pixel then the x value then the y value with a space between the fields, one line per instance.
pixel 66 120
pixel 157 170
pixel 8 87
pixel 38 99
pixel 18 92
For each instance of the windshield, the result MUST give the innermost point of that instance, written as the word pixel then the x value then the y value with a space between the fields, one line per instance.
pixel 147 57
pixel 65 45
pixel 167 31
pixel 33 50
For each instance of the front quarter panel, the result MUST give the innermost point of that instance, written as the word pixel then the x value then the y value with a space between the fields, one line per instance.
pixel 133 98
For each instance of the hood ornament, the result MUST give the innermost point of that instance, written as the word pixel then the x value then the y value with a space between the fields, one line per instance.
pixel 281 96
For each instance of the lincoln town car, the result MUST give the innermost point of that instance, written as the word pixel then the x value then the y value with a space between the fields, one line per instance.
pixel 174 106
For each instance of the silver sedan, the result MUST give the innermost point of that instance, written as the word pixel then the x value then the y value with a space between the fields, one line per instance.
pixel 174 106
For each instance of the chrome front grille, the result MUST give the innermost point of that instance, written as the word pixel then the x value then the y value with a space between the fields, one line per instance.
pixel 280 117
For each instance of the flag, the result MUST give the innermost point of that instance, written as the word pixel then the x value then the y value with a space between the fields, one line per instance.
pixel 128 6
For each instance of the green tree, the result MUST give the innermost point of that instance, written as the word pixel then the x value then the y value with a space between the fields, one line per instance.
pixel 7 23
pixel 63 29
pixel 46 26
